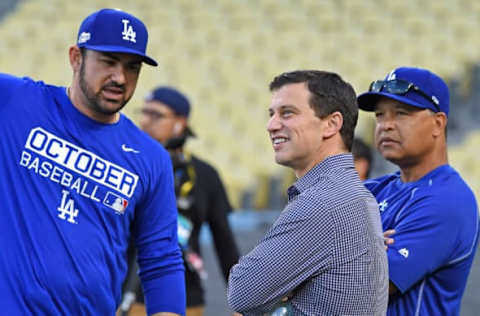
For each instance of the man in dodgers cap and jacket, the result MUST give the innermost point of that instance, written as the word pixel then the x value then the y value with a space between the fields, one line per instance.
pixel 428 207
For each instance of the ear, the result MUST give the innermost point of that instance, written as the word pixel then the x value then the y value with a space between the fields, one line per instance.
pixel 179 126
pixel 334 123
pixel 440 123
pixel 75 57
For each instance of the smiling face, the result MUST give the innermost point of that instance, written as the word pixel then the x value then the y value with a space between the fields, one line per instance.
pixel 103 82
pixel 404 134
pixel 295 131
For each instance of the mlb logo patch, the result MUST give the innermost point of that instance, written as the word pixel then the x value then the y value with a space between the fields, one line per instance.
pixel 116 202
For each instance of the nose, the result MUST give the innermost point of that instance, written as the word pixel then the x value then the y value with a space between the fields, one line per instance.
pixel 386 122
pixel 118 74
pixel 273 124
pixel 143 121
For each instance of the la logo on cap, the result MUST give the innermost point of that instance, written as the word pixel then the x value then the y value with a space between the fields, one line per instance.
pixel 128 32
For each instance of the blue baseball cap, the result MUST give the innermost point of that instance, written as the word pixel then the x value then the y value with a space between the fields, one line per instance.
pixel 433 92
pixel 113 30
pixel 174 99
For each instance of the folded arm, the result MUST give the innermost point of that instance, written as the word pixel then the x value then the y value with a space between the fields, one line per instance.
pixel 290 253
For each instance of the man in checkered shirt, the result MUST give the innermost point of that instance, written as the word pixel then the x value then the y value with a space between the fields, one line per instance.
pixel 325 254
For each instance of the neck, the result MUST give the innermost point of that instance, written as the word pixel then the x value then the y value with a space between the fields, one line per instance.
pixel 300 171
pixel 178 150
pixel 410 172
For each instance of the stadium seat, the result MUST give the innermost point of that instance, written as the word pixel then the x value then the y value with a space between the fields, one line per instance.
pixel 224 53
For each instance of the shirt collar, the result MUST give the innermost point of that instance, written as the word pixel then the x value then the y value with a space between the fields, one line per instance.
pixel 324 167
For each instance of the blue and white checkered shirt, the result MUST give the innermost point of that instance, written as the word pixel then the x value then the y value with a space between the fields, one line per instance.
pixel 325 251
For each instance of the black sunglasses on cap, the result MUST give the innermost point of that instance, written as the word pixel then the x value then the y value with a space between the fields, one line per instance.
pixel 401 87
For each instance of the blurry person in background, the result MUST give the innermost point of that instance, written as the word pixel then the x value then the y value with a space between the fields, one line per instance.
pixel 324 255
pixel 426 204
pixel 201 196
pixel 362 158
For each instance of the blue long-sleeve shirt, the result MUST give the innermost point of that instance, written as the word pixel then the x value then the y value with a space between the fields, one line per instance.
pixel 325 251
pixel 71 190
pixel 436 235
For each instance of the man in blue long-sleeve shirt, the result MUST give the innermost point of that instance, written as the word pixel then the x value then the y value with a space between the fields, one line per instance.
pixel 426 199
pixel 324 255
pixel 77 177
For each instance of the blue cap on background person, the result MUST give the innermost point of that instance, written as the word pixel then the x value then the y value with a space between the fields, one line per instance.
pixel 413 86
pixel 174 99
pixel 113 30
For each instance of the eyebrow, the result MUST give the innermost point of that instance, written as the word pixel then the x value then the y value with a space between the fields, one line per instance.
pixel 284 106
pixel 400 105
pixel 115 57
pixel 110 55
pixel 409 108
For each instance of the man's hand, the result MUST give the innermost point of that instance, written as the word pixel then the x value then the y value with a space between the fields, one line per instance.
pixel 386 238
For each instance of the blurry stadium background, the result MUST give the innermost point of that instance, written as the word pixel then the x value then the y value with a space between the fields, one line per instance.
pixel 223 54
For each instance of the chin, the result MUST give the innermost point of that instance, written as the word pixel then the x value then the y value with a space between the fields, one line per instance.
pixel 112 106
pixel 111 110
pixel 283 161
pixel 392 158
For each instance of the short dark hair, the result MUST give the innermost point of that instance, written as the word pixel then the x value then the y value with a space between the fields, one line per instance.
pixel 360 150
pixel 330 93
pixel 83 52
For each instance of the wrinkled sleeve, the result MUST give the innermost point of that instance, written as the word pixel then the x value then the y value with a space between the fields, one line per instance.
pixel 293 250
pixel 218 210
pixel 9 85
pixel 159 258
pixel 425 238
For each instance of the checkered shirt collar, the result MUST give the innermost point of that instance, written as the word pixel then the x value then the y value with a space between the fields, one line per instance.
pixel 320 170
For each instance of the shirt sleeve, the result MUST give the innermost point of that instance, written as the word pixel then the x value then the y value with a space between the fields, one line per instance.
pixel 218 210
pixel 294 249
pixel 155 229
pixel 9 85
pixel 426 235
